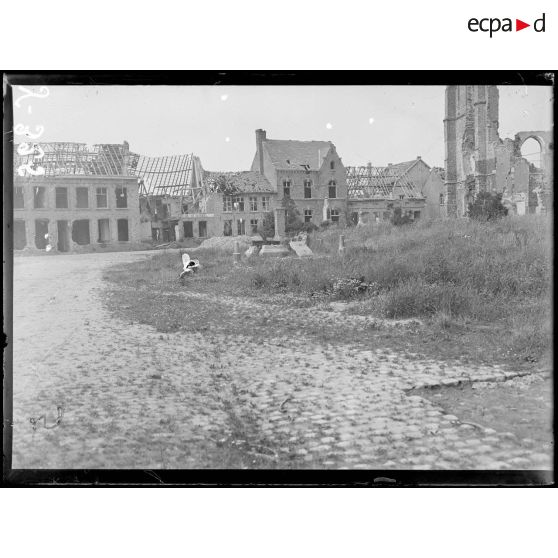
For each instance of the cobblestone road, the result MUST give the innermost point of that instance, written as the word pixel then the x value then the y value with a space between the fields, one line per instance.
pixel 135 398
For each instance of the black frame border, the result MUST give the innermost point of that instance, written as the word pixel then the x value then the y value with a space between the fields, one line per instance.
pixel 234 477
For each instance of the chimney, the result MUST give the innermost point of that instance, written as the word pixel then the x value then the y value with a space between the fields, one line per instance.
pixel 125 158
pixel 260 138
pixel 419 157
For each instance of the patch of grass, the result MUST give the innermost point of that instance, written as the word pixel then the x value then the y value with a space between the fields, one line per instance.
pixel 483 289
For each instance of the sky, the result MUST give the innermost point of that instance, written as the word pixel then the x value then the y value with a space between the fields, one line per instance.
pixel 377 124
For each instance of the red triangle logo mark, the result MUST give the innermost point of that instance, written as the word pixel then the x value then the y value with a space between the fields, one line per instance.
pixel 519 25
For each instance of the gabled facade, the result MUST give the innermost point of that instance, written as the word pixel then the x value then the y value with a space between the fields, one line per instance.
pixel 310 173
pixel 374 193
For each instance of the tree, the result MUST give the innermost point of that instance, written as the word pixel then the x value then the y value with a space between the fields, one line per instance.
pixel 293 222
pixel 267 228
pixel 397 217
pixel 487 206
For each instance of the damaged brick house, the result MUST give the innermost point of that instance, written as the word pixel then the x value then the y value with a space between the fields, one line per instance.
pixel 239 202
pixel 72 196
pixel 477 159
pixel 310 173
pixel 171 188
pixel 375 193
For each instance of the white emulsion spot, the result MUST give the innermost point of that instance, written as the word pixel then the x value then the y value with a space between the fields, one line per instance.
pixel 329 126
pixel 227 139
pixel 370 120
pixel 224 97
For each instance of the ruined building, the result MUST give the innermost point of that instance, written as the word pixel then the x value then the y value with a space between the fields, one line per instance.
pixel 238 202
pixel 310 173
pixel 68 196
pixel 478 160
pixel 171 187
pixel 412 187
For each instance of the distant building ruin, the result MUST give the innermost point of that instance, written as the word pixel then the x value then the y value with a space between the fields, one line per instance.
pixel 478 160
pixel 72 196
pixel 411 187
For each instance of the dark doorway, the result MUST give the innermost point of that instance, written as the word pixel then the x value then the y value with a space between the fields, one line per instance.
pixel 41 233
pixel 20 234
pixel 80 231
pixel 63 236
pixel 123 229
pixel 354 218
pixel 188 229
pixel 104 230
pixel 202 226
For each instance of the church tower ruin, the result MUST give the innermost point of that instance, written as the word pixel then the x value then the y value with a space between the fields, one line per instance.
pixel 471 138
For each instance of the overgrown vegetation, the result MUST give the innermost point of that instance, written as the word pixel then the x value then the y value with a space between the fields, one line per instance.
pixel 293 221
pixel 398 219
pixel 487 206
pixel 267 227
pixel 473 282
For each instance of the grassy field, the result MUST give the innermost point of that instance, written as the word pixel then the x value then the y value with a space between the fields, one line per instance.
pixel 482 290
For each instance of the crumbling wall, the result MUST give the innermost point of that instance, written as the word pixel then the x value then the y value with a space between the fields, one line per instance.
pixel 65 217
pixel 477 159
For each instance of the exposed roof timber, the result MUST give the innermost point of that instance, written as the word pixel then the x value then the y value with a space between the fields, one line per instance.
pixel 171 175
pixel 63 158
pixel 168 175
pixel 379 182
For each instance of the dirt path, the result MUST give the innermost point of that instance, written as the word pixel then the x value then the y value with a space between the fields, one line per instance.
pixel 135 398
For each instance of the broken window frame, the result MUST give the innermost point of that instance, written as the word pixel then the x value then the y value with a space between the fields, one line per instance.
pixel 39 195
pixel 334 215
pixel 227 204
pixel 265 203
pixel 253 200
pixel 61 197
pixel 254 226
pixel 79 191
pixel 121 200
pixel 308 214
pixel 241 227
pixel 332 189
pixel 227 227
pixel 307 189
pixel 100 194
pixel 287 188
pixel 238 203
pixel 332 165
pixel 19 198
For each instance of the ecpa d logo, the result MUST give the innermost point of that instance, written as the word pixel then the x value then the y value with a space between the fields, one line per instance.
pixel 494 24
